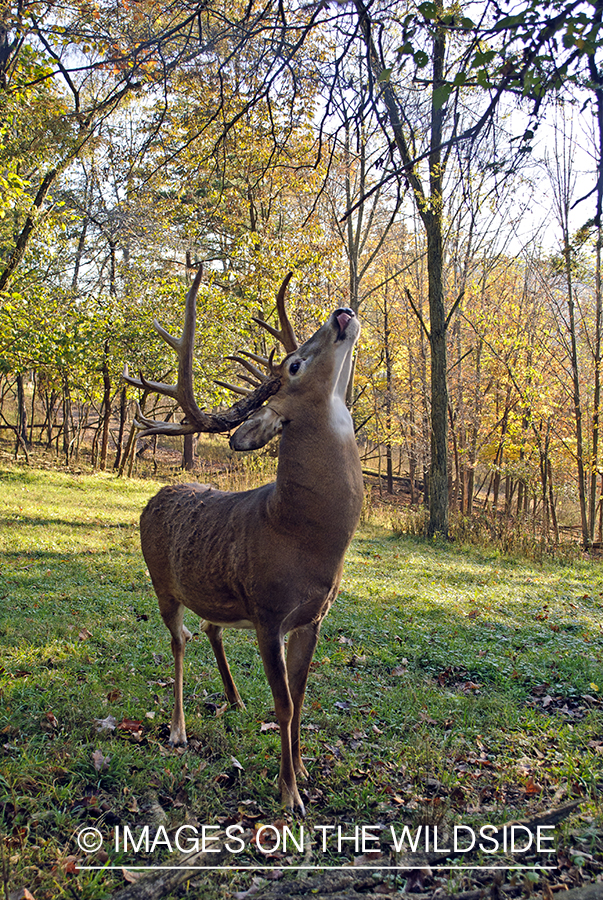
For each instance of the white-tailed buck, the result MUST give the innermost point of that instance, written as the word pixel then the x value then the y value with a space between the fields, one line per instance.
pixel 270 559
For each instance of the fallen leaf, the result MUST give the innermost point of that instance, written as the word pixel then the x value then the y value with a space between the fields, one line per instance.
pixel 130 725
pixel 269 726
pixel 399 670
pixel 107 724
pixel 256 884
pixel 21 894
pixel 49 721
pixel 114 695
pixel 84 634
pixel 532 787
pixel 417 880
pixel 236 763
pixel 131 877
pixel 369 857
pixel 357 661
pixel 70 865
pixel 425 717
pixel 99 761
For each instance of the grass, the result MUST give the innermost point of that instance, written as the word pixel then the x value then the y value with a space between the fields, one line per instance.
pixel 450 684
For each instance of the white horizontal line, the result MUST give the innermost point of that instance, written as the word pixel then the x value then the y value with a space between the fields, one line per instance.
pixel 347 868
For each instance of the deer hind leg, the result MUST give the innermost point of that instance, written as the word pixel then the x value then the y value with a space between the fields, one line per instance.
pixel 172 614
pixel 301 645
pixel 273 657
pixel 214 633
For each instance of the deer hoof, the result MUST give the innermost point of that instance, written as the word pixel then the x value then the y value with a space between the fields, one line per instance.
pixel 293 802
pixel 301 771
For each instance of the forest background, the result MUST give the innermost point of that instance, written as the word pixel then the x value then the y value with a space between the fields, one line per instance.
pixel 436 167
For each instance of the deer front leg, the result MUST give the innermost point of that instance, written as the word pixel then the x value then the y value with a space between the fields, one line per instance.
pixel 273 657
pixel 172 614
pixel 300 650
pixel 214 633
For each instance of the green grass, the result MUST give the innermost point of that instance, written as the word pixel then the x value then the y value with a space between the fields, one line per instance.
pixel 450 683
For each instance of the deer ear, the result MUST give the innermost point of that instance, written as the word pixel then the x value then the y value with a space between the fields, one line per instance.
pixel 257 430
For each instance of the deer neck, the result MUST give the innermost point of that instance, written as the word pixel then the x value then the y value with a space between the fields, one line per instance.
pixel 319 477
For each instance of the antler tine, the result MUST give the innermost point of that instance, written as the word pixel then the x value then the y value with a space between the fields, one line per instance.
pixel 253 370
pixel 235 388
pixel 183 392
pixel 262 360
pixel 285 335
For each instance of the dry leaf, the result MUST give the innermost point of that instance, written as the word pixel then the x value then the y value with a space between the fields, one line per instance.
pixel 269 726
pixel 425 717
pixel 131 877
pixel 130 725
pixel 107 724
pixel 84 634
pixel 114 695
pixel 99 761
pixel 532 787
pixel 367 858
pixel 49 721
pixel 21 894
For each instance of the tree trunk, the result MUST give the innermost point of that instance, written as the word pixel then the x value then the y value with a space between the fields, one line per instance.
pixel 432 219
pixel 430 209
pixel 188 454
pixel 123 408
pixel 129 452
pixel 388 394
pixel 597 385
pixel 438 470
pixel 66 421
pixel 21 410
pixel 106 408
pixel 552 503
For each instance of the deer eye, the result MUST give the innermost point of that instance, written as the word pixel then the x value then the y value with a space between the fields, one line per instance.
pixel 294 367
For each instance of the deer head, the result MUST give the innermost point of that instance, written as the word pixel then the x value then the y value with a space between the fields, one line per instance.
pixel 270 559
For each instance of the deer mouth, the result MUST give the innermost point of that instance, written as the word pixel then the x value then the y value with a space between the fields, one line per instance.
pixel 343 317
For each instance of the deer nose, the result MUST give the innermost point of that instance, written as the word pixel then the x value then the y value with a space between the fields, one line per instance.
pixel 343 316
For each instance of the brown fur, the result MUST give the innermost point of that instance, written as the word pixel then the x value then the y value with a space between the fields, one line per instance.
pixel 271 558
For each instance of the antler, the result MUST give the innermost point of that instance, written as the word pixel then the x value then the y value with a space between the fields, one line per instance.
pixel 183 392
pixel 285 335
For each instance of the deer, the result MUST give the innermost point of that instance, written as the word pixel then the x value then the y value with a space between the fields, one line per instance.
pixel 268 559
